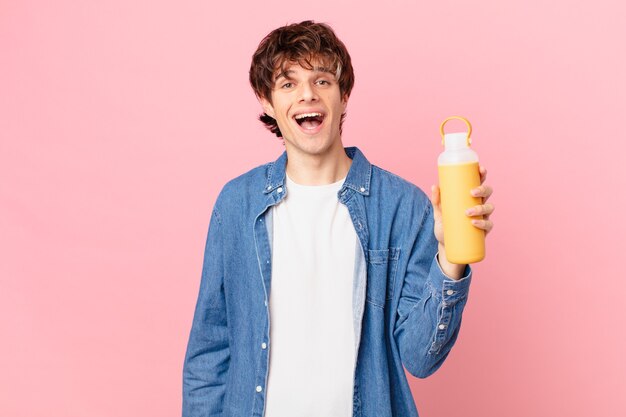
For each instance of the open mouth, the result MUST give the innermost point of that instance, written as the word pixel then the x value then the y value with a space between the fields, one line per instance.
pixel 309 121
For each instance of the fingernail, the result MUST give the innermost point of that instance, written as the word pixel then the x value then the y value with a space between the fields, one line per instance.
pixel 469 212
pixel 475 222
pixel 475 193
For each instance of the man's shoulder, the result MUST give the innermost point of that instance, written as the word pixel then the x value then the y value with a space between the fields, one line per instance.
pixel 244 185
pixel 389 182
pixel 252 177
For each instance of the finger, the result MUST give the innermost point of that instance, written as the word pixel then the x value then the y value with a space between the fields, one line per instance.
pixel 481 210
pixel 483 191
pixel 485 225
pixel 483 173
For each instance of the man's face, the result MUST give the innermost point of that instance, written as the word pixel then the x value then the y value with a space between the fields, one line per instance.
pixel 307 105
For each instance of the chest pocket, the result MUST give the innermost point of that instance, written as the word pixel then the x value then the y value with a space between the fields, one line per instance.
pixel 381 274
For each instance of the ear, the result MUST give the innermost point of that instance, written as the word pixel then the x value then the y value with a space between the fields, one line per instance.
pixel 267 107
pixel 344 101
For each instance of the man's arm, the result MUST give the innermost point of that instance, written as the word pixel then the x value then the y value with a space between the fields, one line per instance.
pixel 430 307
pixel 207 358
pixel 434 291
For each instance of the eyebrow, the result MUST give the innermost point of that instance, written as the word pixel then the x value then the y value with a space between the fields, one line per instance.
pixel 285 74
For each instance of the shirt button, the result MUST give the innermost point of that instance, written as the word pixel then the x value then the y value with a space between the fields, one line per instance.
pixel 269 187
pixel 259 388
pixel 449 292
pixel 280 189
pixel 442 326
pixel 362 189
pixel 263 345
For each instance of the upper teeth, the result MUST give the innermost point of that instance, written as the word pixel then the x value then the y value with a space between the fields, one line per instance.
pixel 303 115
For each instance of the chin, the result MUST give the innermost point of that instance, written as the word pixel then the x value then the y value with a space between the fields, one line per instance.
pixel 309 145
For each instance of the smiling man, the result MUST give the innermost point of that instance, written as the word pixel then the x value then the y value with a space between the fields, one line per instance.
pixel 324 276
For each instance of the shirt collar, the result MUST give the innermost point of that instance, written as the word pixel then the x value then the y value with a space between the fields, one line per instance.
pixel 358 177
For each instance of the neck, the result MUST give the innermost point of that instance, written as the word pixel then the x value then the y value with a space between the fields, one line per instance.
pixel 318 169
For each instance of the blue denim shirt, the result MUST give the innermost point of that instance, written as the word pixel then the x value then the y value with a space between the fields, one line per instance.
pixel 406 311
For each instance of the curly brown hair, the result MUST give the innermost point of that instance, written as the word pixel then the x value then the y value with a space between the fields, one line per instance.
pixel 300 43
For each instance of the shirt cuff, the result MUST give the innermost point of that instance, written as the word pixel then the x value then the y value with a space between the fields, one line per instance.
pixel 445 288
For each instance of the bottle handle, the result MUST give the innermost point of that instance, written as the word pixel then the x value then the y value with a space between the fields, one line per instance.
pixel 469 128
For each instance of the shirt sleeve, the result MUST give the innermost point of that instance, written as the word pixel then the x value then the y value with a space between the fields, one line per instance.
pixel 208 355
pixel 431 305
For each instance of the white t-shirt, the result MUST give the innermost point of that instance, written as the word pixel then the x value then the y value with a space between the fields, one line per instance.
pixel 312 352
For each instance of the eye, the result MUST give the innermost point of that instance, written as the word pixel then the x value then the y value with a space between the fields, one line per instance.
pixel 287 85
pixel 323 82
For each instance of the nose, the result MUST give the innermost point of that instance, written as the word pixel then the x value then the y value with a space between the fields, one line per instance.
pixel 307 92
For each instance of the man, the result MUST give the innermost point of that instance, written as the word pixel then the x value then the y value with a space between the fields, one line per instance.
pixel 354 257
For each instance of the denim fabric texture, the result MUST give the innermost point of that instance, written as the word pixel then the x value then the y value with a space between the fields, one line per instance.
pixel 407 313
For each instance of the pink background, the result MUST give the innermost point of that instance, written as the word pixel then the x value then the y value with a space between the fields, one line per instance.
pixel 120 121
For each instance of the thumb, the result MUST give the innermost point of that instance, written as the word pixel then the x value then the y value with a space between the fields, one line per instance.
pixel 435 199
pixel 434 195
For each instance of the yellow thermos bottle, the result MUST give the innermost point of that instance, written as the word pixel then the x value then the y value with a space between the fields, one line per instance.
pixel 458 174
